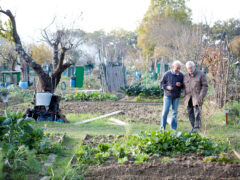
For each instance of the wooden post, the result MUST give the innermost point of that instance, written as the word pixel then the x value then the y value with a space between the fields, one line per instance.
pixel 226 114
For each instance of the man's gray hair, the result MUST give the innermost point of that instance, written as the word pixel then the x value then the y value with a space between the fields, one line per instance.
pixel 176 63
pixel 190 63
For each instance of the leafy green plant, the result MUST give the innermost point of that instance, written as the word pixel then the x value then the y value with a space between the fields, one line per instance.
pixel 3 91
pixel 222 158
pixel 2 175
pixel 22 159
pixel 140 158
pixel 165 159
pixel 138 89
pixel 20 142
pixel 90 96
pixel 151 143
pixel 16 130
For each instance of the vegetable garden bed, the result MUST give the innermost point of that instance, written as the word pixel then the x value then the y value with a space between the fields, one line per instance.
pixel 89 96
pixel 186 162
pixel 154 155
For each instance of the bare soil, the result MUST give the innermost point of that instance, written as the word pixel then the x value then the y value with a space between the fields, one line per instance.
pixel 182 167
pixel 141 112
pixel 133 111
pixel 188 166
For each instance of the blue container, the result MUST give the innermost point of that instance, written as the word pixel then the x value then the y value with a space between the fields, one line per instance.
pixel 7 84
pixel 73 83
pixel 23 84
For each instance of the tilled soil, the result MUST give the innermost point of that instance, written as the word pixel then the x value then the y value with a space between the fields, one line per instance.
pixel 178 168
pixel 142 112
pixel 188 166
pixel 133 111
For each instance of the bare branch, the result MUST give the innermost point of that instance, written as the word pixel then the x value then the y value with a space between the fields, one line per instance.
pixel 43 77
pixel 62 56
pixel 46 37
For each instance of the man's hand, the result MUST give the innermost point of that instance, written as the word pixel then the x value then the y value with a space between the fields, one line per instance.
pixel 169 88
pixel 178 84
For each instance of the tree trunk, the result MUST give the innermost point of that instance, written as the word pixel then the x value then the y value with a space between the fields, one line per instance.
pixel 13 65
pixel 24 71
pixel 47 83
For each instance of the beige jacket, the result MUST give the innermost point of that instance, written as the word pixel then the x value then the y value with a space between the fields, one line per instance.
pixel 195 86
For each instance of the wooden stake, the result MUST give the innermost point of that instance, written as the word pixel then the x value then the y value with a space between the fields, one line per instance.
pixel 236 154
pixel 99 117
pixel 118 122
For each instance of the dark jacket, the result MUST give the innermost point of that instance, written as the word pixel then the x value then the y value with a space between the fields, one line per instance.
pixel 195 87
pixel 170 79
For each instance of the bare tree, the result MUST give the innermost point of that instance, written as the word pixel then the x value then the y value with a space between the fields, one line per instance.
pixel 176 40
pixel 8 54
pixel 60 42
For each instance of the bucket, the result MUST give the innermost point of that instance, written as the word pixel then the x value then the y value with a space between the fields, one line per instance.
pixel 73 81
pixel 7 84
pixel 43 99
pixel 23 84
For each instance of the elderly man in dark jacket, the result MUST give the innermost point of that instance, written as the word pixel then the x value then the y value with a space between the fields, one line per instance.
pixel 172 83
pixel 195 89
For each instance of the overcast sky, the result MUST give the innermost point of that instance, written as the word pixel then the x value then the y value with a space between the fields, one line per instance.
pixel 34 15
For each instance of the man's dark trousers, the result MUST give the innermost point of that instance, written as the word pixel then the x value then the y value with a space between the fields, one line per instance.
pixel 194 115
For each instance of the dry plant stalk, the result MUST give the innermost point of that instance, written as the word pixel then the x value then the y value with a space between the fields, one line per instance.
pixel 207 112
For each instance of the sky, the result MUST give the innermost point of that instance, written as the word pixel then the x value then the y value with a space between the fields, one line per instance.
pixel 34 15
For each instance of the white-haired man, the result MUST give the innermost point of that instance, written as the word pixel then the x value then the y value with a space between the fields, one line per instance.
pixel 172 83
pixel 195 89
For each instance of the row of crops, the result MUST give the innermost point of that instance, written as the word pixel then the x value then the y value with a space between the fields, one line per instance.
pixel 89 96
pixel 141 147
pixel 133 90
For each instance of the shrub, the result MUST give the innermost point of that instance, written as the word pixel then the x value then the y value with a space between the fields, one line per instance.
pixel 139 90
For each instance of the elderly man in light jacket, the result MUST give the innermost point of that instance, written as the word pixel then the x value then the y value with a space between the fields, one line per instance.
pixel 195 89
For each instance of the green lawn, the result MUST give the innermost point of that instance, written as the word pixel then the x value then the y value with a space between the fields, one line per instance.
pixel 212 126
pixel 98 127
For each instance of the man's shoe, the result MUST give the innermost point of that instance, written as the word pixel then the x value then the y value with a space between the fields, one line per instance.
pixel 194 130
pixel 198 130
